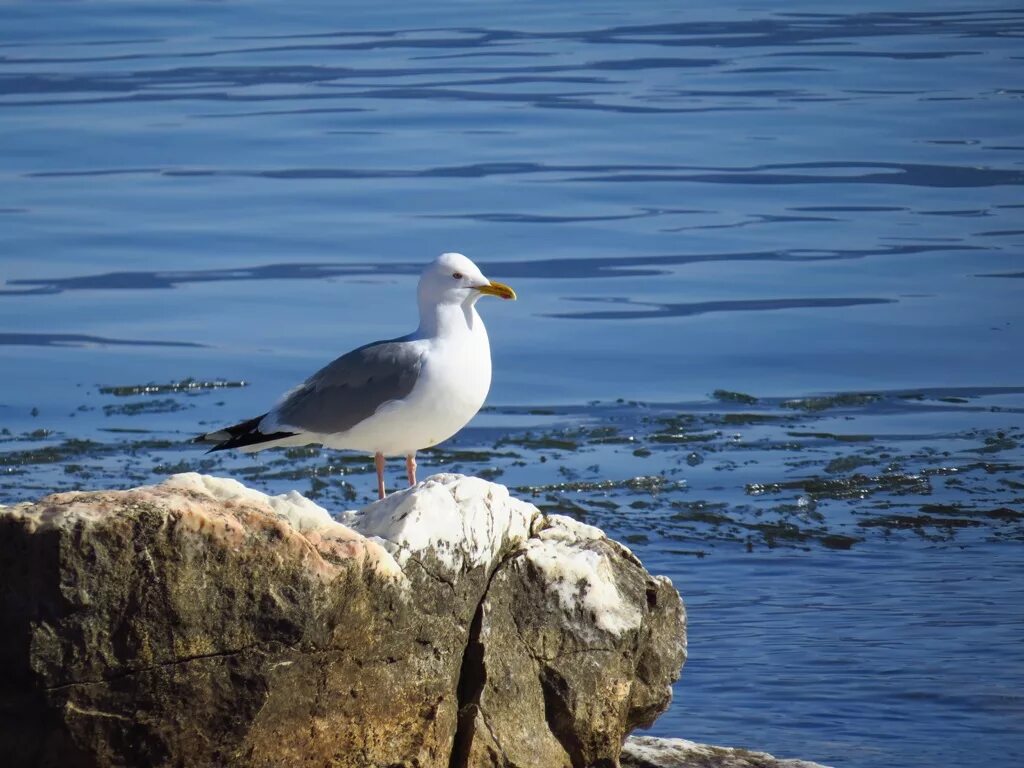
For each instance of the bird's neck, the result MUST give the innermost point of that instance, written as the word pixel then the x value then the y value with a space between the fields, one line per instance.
pixel 448 320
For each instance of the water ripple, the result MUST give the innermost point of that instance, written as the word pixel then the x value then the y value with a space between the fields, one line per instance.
pixel 603 267
pixel 831 172
pixel 653 310
pixel 82 340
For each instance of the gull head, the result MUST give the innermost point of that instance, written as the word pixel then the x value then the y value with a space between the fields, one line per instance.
pixel 454 279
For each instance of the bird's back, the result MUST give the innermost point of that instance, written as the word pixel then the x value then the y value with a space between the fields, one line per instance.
pixel 451 386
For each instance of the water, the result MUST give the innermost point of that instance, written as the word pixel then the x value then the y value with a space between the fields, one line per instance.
pixel 775 203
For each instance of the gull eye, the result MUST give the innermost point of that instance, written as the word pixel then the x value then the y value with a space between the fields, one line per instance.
pixel 457 275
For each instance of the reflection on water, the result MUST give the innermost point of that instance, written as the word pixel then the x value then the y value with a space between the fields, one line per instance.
pixel 813 200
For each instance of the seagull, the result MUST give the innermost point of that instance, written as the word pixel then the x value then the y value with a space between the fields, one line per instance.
pixel 393 397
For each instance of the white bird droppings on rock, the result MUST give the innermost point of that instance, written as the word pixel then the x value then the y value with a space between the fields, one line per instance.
pixel 463 521
pixel 567 529
pixel 581 578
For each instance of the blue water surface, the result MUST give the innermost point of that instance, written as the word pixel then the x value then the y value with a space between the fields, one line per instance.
pixel 778 199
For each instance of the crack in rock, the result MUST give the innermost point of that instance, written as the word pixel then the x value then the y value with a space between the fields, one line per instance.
pixel 151 667
pixel 472 678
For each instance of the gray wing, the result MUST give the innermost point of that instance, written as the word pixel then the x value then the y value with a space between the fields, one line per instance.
pixel 352 388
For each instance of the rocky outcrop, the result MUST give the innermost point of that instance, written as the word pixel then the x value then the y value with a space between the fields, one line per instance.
pixel 201 623
pixel 652 752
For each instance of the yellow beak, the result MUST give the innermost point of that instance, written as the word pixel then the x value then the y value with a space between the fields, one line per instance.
pixel 500 290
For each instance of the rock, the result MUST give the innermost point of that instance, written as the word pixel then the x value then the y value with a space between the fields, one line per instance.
pixel 201 623
pixel 652 752
pixel 554 686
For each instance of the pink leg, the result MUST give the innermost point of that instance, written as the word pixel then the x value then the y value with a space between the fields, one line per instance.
pixel 410 468
pixel 378 462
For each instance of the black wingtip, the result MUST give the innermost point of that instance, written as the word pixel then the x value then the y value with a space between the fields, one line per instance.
pixel 239 436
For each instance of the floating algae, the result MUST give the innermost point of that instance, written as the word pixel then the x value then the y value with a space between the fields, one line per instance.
pixel 854 487
pixel 706 475
pixel 684 437
pixel 163 405
pixel 725 396
pixel 188 386
pixel 647 484
pixel 849 463
pixel 555 442
pixel 51 454
pixel 736 419
pixel 848 400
